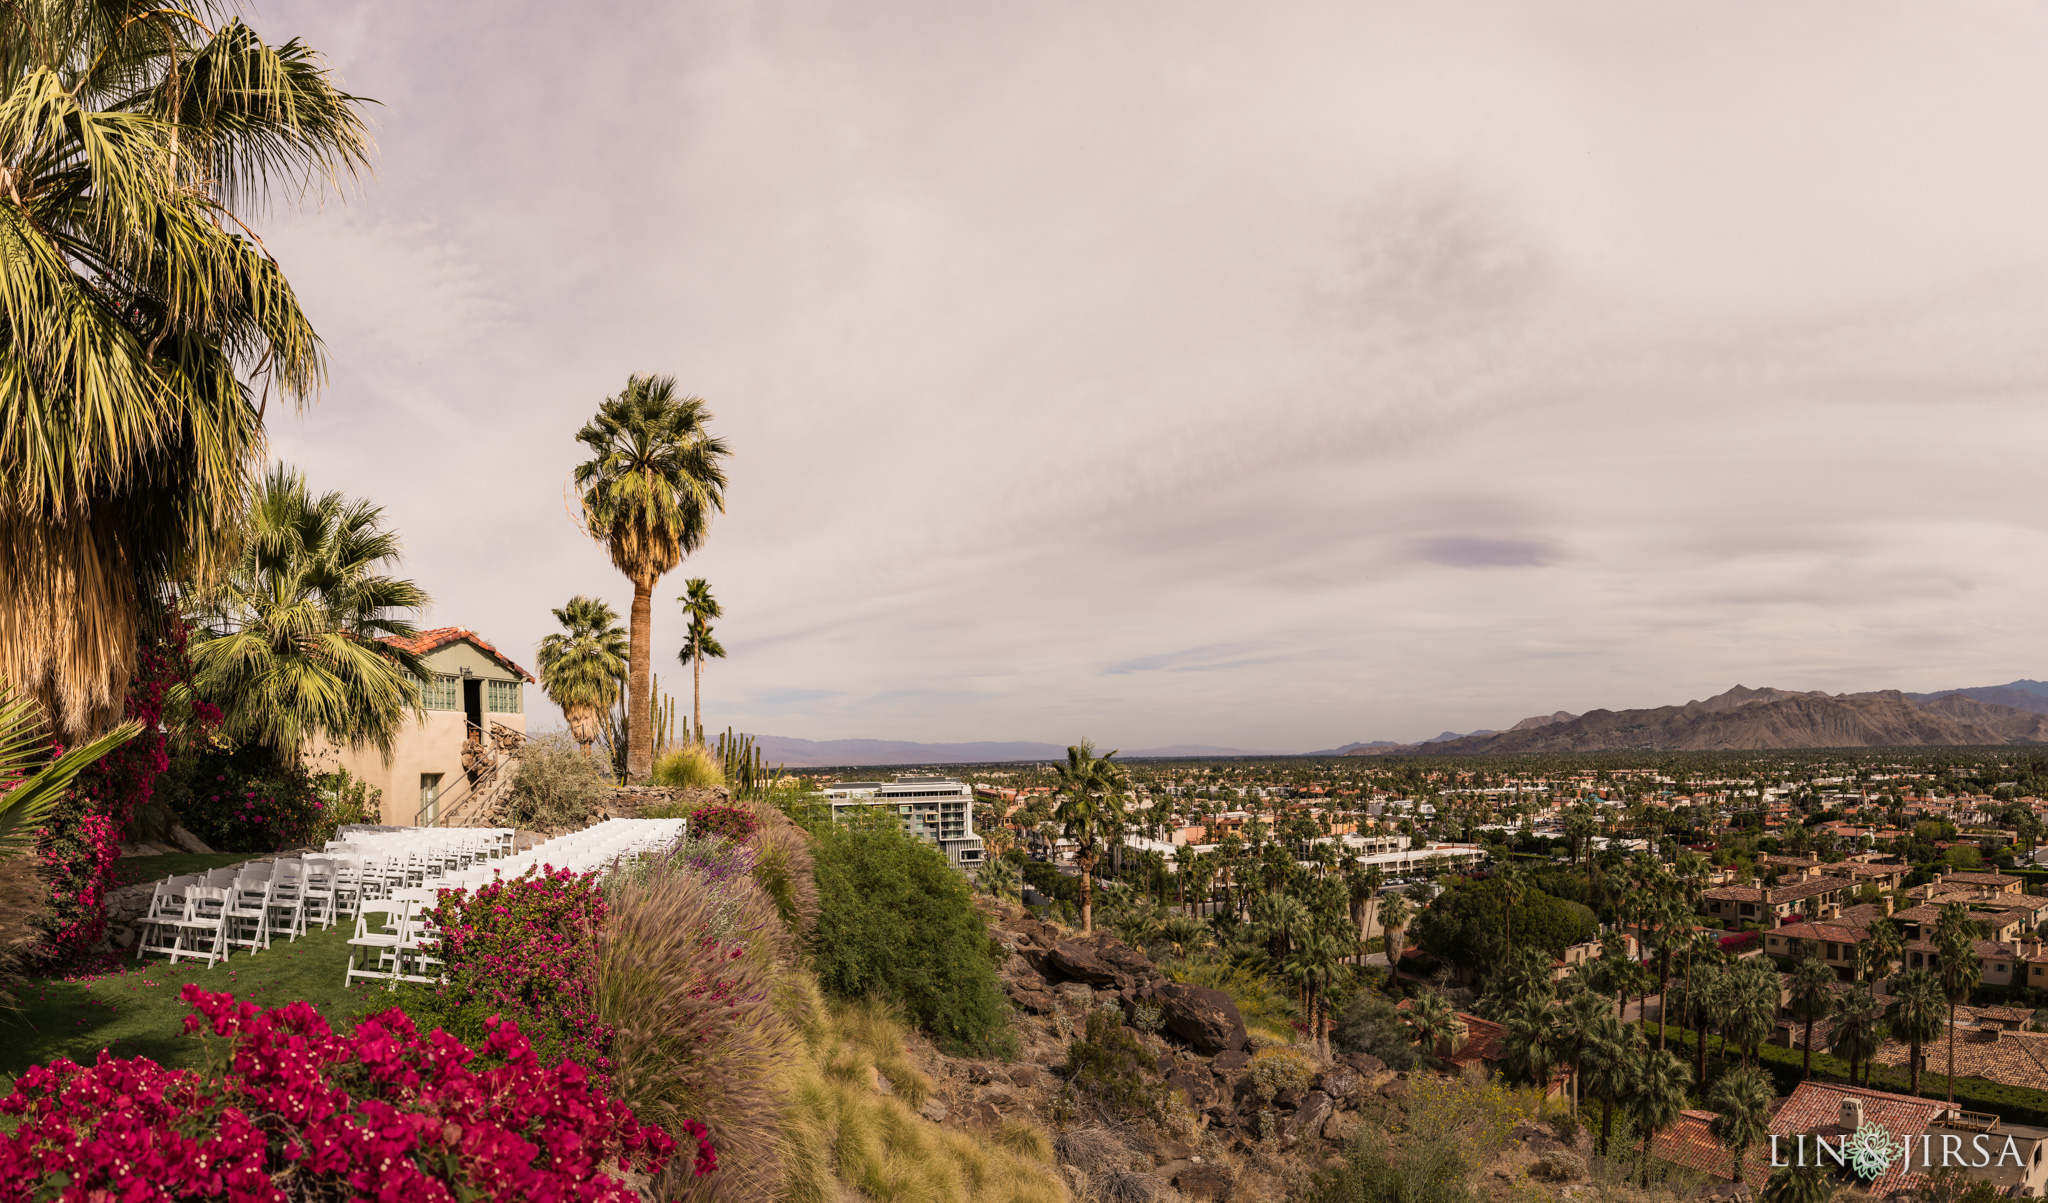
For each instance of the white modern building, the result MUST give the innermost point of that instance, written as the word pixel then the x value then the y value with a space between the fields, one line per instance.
pixel 938 809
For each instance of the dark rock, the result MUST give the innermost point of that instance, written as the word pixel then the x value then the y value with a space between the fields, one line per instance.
pixel 1206 1181
pixel 1038 1002
pixel 1366 1064
pixel 1340 1126
pixel 1287 1100
pixel 1233 1059
pixel 1024 1077
pixel 1309 1117
pixel 1396 1090
pixel 979 1074
pixel 1173 1150
pixel 1200 1087
pixel 1204 1017
pixel 1340 1082
pixel 983 1115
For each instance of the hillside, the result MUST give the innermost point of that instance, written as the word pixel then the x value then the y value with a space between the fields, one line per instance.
pixel 1744 718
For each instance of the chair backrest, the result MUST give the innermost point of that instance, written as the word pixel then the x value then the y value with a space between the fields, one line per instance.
pixel 169 896
pixel 319 871
pixel 260 870
pixel 221 878
pixel 205 902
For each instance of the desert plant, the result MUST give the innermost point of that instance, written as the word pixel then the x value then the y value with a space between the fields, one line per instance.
pixel 555 784
pixel 1276 1069
pixel 896 920
pixel 1111 1074
pixel 691 961
pixel 690 766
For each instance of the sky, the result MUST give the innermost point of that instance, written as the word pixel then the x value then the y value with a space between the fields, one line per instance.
pixel 1269 376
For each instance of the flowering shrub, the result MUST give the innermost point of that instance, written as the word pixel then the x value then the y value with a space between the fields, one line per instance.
pixel 80 844
pixel 1742 939
pixel 728 822
pixel 286 1109
pixel 245 799
pixel 525 948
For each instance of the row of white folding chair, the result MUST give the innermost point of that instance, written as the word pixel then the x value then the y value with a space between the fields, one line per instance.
pixel 397 945
pixel 186 919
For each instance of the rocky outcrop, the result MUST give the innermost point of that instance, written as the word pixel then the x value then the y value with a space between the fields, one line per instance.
pixel 632 801
pixel 1200 1015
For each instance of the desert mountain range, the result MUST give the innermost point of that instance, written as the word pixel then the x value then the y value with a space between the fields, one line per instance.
pixel 1744 718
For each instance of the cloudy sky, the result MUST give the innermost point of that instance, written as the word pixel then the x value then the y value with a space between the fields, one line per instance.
pixel 1267 375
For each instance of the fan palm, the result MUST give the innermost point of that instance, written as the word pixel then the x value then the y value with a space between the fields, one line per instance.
pixel 1538 1038
pixel 1959 973
pixel 1917 1015
pixel 1813 997
pixel 699 644
pixel 1857 1029
pixel 1658 1095
pixel 1434 1024
pixel 655 476
pixel 138 314
pixel 1750 1007
pixel 1741 1102
pixel 1881 947
pixel 30 782
pixel 1091 790
pixel 583 665
pixel 1608 1064
pixel 1394 913
pixel 1799 1184
pixel 297 641
pixel 1316 968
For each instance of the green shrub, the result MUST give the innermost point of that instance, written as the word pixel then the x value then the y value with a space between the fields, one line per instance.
pixel 555 785
pixel 1372 1024
pixel 1108 1070
pixel 242 799
pixel 1276 1069
pixel 896 920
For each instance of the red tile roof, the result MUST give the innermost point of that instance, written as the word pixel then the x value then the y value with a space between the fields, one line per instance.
pixel 440 637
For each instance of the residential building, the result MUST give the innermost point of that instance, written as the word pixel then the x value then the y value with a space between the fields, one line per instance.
pixel 1813 897
pixel 474 712
pixel 937 809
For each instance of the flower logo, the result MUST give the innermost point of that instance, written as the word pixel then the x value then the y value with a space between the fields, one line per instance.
pixel 1871 1151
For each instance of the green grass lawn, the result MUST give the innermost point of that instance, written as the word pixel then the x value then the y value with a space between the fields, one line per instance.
pixel 134 1010
pixel 134 870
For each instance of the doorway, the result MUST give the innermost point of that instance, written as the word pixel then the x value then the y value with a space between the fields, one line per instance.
pixel 473 703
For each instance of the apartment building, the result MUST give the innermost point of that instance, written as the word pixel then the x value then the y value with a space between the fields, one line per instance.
pixel 936 809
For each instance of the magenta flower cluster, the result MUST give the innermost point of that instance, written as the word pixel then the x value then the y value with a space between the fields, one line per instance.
pixel 527 947
pixel 287 1109
pixel 729 822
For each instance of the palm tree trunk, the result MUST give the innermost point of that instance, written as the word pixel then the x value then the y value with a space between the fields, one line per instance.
pixel 1951 1053
pixel 1807 1064
pixel 639 717
pixel 697 688
pixel 1913 1051
pixel 1087 895
pixel 1606 1123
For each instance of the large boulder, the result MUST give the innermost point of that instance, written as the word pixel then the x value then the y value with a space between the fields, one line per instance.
pixel 1340 1081
pixel 1103 963
pixel 189 842
pixel 1198 1085
pixel 1200 1015
pixel 1308 1118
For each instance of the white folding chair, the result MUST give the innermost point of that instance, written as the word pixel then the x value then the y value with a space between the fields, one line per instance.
pixel 205 921
pixel 249 912
pixel 166 905
pixel 288 899
pixel 380 925
pixel 419 939
pixel 318 890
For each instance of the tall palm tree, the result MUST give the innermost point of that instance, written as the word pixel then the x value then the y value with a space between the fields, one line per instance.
pixel 1091 790
pixel 1582 1020
pixel 1918 1013
pixel 297 641
pixel 1538 1038
pixel 699 644
pixel 583 666
pixel 1512 888
pixel 1881 947
pixel 1316 968
pixel 1741 1102
pixel 1749 1007
pixel 1395 911
pixel 1959 974
pixel 146 325
pixel 655 476
pixel 1658 1095
pixel 1608 1066
pixel 1813 997
pixel 1857 1031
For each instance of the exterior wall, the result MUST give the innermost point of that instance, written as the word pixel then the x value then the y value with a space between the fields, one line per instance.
pixel 431 745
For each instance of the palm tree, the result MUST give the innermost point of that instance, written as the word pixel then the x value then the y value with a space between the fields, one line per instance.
pixel 146 324
pixel 1959 974
pixel 1813 997
pixel 1917 1015
pixel 1608 1066
pixel 1512 890
pixel 32 782
pixel 298 640
pixel 583 666
pixel 1881 947
pixel 1741 1102
pixel 1582 1020
pixel 1091 791
pixel 1394 912
pixel 1799 1184
pixel 655 476
pixel 1434 1024
pixel 1749 1008
pixel 1657 1097
pixel 1537 1038
pixel 1316 967
pixel 1858 1029
pixel 700 608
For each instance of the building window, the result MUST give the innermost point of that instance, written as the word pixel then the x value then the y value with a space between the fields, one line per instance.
pixel 441 692
pixel 501 697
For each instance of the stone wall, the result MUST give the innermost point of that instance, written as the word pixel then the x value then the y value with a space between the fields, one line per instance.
pixel 633 801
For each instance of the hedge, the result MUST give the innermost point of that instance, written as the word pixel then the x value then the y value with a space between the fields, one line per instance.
pixel 2017 1104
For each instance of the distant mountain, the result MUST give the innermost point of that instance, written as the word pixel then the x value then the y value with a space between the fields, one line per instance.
pixel 1449 735
pixel 1360 748
pixel 1178 750
pixel 1773 718
pixel 2020 695
pixel 1543 720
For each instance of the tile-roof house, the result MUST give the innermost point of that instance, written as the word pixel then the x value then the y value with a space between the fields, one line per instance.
pixel 1824 1108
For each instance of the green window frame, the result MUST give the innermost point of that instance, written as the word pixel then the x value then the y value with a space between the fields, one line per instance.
pixel 440 692
pixel 501 697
